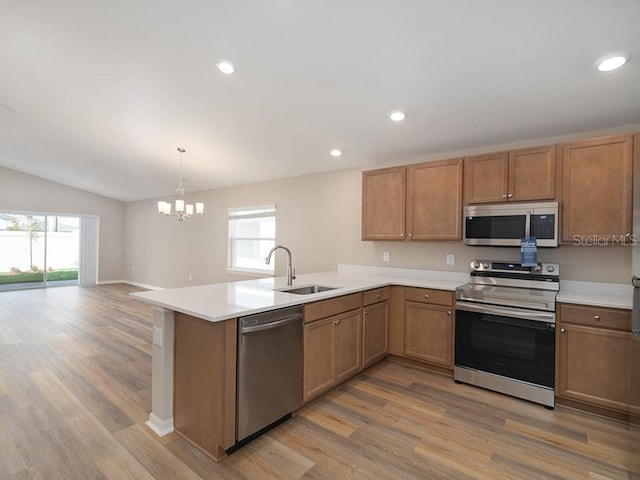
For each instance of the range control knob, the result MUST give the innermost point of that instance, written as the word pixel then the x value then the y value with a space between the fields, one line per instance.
pixel 486 265
pixel 537 268
pixel 475 264
pixel 550 268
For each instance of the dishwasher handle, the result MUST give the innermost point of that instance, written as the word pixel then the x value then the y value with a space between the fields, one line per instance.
pixel 270 325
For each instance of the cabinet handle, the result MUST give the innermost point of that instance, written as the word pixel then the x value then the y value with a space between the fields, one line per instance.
pixel 448 312
pixel 562 330
pixel 410 235
pixel 378 296
pixel 597 317
pixel 510 195
pixel 504 196
pixel 426 296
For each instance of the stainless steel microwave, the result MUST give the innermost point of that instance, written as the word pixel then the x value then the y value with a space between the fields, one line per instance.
pixel 504 225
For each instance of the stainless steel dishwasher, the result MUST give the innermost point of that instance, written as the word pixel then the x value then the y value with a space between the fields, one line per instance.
pixel 269 371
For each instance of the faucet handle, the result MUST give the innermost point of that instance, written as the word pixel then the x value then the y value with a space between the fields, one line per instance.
pixel 293 274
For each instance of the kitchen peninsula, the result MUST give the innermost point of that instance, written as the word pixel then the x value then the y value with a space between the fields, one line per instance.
pixel 212 311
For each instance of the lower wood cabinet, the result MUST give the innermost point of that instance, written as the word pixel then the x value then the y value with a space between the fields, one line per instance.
pixel 428 326
pixel 595 356
pixel 319 362
pixel 332 349
pixel 375 326
pixel 347 344
pixel 205 382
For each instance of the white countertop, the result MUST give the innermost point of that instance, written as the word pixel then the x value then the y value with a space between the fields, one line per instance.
pixel 223 301
pixel 613 295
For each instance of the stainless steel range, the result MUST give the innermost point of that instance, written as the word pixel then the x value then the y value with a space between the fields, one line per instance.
pixel 505 329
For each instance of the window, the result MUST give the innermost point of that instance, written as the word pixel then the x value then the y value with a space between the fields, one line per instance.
pixel 252 233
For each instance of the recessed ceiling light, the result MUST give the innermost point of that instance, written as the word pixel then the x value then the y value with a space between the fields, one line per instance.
pixel 611 62
pixel 397 116
pixel 226 67
pixel 335 152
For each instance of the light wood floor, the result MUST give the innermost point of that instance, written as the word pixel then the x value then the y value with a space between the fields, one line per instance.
pixel 75 379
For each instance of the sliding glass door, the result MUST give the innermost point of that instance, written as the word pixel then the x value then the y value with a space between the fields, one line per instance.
pixel 63 234
pixel 38 250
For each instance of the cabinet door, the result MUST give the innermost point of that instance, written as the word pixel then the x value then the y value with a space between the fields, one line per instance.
pixel 434 201
pixel 486 178
pixel 594 366
pixel 374 333
pixel 533 174
pixel 597 187
pixel 428 333
pixel 319 357
pixel 383 204
pixel 347 344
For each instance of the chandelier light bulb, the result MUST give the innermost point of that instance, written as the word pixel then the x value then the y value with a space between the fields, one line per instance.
pixel 182 209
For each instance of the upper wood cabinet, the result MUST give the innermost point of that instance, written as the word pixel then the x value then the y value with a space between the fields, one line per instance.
pixel 597 188
pixel 431 192
pixel 516 176
pixel 434 200
pixel 383 204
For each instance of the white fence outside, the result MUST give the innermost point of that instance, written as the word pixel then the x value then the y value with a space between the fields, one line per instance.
pixel 62 250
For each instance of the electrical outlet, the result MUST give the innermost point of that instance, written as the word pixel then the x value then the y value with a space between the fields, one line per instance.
pixel 385 256
pixel 451 259
pixel 190 277
pixel 157 336
pixel 133 268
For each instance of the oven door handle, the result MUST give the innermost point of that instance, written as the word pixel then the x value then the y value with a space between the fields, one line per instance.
pixel 546 317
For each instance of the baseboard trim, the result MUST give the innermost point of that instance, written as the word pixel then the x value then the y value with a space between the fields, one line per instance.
pixel 131 282
pixel 160 427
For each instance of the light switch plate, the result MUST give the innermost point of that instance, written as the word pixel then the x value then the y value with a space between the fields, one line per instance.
pixel 451 259
pixel 385 256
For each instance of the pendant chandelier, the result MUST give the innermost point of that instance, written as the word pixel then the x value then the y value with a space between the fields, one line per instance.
pixel 182 209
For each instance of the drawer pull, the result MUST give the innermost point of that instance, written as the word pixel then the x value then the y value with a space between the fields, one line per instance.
pixel 426 296
pixel 378 296
pixel 597 317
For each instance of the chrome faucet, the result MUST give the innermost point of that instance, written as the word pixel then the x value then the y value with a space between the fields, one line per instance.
pixel 291 273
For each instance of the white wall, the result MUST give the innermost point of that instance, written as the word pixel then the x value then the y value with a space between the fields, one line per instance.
pixel 318 218
pixel 27 193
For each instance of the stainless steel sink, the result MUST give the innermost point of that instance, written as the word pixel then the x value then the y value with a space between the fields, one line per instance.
pixel 307 289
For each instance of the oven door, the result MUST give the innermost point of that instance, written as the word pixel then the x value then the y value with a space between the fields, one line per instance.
pixel 510 342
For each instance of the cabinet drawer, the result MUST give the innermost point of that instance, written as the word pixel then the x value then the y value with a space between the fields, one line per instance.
pixel 374 296
pixel 429 295
pixel 332 306
pixel 596 316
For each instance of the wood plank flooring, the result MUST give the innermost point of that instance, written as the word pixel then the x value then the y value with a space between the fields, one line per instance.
pixel 75 383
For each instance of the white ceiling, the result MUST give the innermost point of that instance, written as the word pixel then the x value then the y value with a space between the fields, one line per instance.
pixel 98 94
